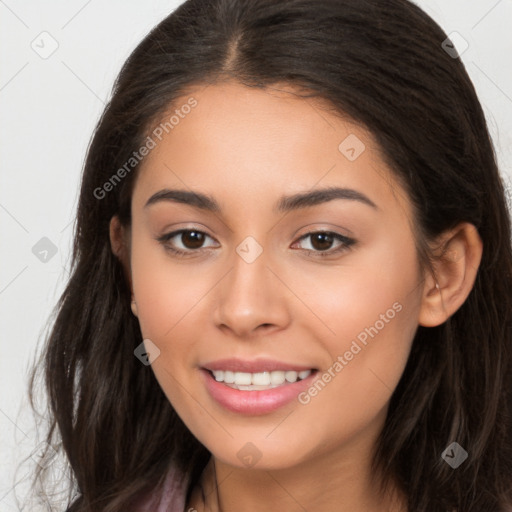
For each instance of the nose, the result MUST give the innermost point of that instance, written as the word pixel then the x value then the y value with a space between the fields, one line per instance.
pixel 251 299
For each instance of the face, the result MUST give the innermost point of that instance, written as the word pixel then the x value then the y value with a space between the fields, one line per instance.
pixel 269 286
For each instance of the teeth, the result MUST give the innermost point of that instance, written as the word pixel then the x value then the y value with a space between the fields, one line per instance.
pixel 277 378
pixel 260 380
pixel 229 377
pixel 291 376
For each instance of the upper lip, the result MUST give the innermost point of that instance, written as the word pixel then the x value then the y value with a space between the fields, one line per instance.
pixel 254 365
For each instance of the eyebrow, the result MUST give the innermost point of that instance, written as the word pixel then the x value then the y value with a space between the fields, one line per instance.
pixel 285 204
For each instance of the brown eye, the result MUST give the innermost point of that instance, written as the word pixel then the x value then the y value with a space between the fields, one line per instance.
pixel 321 241
pixel 192 239
pixel 185 242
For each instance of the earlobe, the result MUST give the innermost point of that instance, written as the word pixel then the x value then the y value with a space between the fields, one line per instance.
pixel 457 259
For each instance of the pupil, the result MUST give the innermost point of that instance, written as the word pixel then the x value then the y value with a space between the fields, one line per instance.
pixel 324 239
pixel 195 239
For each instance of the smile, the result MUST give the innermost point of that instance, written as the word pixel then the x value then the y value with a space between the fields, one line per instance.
pixel 256 392
pixel 246 381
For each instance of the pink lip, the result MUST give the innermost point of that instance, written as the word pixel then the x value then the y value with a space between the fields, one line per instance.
pixel 254 366
pixel 254 402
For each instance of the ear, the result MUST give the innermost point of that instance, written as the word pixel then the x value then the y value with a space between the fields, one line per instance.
pixel 120 245
pixel 458 254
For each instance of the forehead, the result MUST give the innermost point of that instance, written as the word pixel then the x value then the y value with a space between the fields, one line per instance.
pixel 255 142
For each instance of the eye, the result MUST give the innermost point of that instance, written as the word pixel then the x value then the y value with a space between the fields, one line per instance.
pixel 321 243
pixel 190 239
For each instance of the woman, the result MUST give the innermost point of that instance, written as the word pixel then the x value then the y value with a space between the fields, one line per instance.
pixel 292 272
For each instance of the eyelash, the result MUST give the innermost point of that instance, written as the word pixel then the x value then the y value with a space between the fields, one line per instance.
pixel 346 245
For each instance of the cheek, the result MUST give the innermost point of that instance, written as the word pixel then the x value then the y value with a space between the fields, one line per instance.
pixel 368 310
pixel 367 361
pixel 170 308
pixel 352 296
pixel 167 295
pixel 166 291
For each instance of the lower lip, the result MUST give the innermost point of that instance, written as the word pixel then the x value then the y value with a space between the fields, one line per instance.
pixel 254 402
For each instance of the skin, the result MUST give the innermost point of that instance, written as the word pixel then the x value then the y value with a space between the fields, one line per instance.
pixel 246 148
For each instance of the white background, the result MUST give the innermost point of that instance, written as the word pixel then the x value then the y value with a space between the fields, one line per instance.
pixel 49 108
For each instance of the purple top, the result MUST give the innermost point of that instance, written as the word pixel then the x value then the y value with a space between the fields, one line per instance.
pixel 172 497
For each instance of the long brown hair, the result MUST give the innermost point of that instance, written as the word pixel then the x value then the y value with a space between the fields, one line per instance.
pixel 383 65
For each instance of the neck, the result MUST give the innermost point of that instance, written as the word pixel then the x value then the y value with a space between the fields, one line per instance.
pixel 331 482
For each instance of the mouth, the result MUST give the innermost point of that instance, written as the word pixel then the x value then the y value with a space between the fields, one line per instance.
pixel 255 388
pixel 258 381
